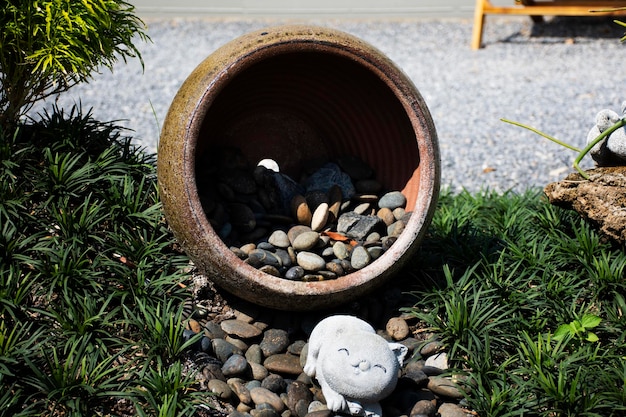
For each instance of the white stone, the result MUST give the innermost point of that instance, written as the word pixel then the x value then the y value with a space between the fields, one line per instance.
pixel 320 216
pixel 269 164
pixel 439 360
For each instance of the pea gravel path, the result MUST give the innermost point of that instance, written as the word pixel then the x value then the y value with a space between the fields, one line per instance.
pixel 554 76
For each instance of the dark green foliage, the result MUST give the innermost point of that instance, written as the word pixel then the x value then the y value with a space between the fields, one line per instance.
pixel 88 270
pixel 47 46
pixel 91 306
pixel 529 300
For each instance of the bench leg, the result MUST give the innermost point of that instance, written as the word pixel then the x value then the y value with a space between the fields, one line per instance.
pixel 479 20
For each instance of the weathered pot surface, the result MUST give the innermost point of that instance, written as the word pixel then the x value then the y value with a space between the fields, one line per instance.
pixel 265 93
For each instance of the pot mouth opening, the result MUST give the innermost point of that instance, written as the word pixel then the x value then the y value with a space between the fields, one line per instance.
pixel 301 109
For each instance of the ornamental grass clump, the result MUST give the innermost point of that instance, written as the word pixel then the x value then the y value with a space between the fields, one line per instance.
pixel 91 282
pixel 47 46
pixel 528 300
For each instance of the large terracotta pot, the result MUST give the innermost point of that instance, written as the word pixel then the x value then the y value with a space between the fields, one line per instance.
pixel 265 93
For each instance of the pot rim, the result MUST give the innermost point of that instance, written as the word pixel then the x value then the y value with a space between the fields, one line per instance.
pixel 195 98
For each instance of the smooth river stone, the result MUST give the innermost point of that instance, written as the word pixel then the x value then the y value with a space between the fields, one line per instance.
pixel 375 252
pixel 262 395
pixel 274 341
pixel 392 200
pixel 310 261
pixel 335 268
pixel 224 350
pixel 258 371
pixel 220 389
pixel 335 198
pixel 254 354
pixel 362 208
pixel 283 363
pixel 386 215
pixel 296 231
pixel 240 390
pixel 264 257
pixel 247 248
pixel 306 241
pixel 270 270
pixel 360 257
pixel 266 246
pixel 399 213
pixel 240 328
pixel 320 217
pixel 443 386
pixel 300 210
pixel 341 250
pixel 298 393
pixel 279 239
pixel 284 256
pixel 396 228
pixel 235 365
pixel 295 273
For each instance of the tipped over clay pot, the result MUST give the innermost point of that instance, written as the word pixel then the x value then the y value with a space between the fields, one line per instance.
pixel 263 93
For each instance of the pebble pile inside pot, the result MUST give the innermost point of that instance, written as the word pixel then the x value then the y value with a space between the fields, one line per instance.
pixel 334 220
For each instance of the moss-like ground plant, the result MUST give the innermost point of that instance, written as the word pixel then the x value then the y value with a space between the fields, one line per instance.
pixel 514 286
pixel 91 284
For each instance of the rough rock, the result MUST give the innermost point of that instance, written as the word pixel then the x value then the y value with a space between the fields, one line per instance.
pixel 601 199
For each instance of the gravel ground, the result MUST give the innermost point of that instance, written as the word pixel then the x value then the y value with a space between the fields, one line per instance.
pixel 554 76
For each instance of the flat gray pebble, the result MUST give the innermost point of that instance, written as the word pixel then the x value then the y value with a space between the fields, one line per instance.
pixel 306 241
pixel 360 257
pixel 240 328
pixel 310 261
pixel 224 350
pixel 279 239
pixel 392 200
pixel 220 388
pixel 262 395
pixel 235 365
pixel 295 273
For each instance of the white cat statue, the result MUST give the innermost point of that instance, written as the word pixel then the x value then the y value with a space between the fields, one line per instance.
pixel 355 367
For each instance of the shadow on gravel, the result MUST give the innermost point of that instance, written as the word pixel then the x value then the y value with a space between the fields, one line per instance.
pixel 578 27
pixel 560 29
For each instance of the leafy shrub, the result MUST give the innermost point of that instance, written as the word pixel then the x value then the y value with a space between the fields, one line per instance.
pixel 47 46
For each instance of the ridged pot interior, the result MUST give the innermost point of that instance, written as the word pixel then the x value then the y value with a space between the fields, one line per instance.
pixel 297 95
pixel 303 107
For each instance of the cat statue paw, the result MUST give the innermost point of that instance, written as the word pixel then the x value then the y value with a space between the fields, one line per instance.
pixel 355 367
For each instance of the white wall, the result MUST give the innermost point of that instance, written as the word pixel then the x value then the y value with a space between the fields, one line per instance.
pixel 306 8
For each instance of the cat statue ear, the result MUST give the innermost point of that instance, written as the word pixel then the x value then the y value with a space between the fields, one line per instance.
pixel 400 351
pixel 355 367
pixel 611 150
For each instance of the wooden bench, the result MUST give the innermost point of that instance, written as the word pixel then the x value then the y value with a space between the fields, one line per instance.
pixel 539 8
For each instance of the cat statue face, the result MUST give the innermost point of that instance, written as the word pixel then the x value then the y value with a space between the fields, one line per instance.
pixel 355 367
